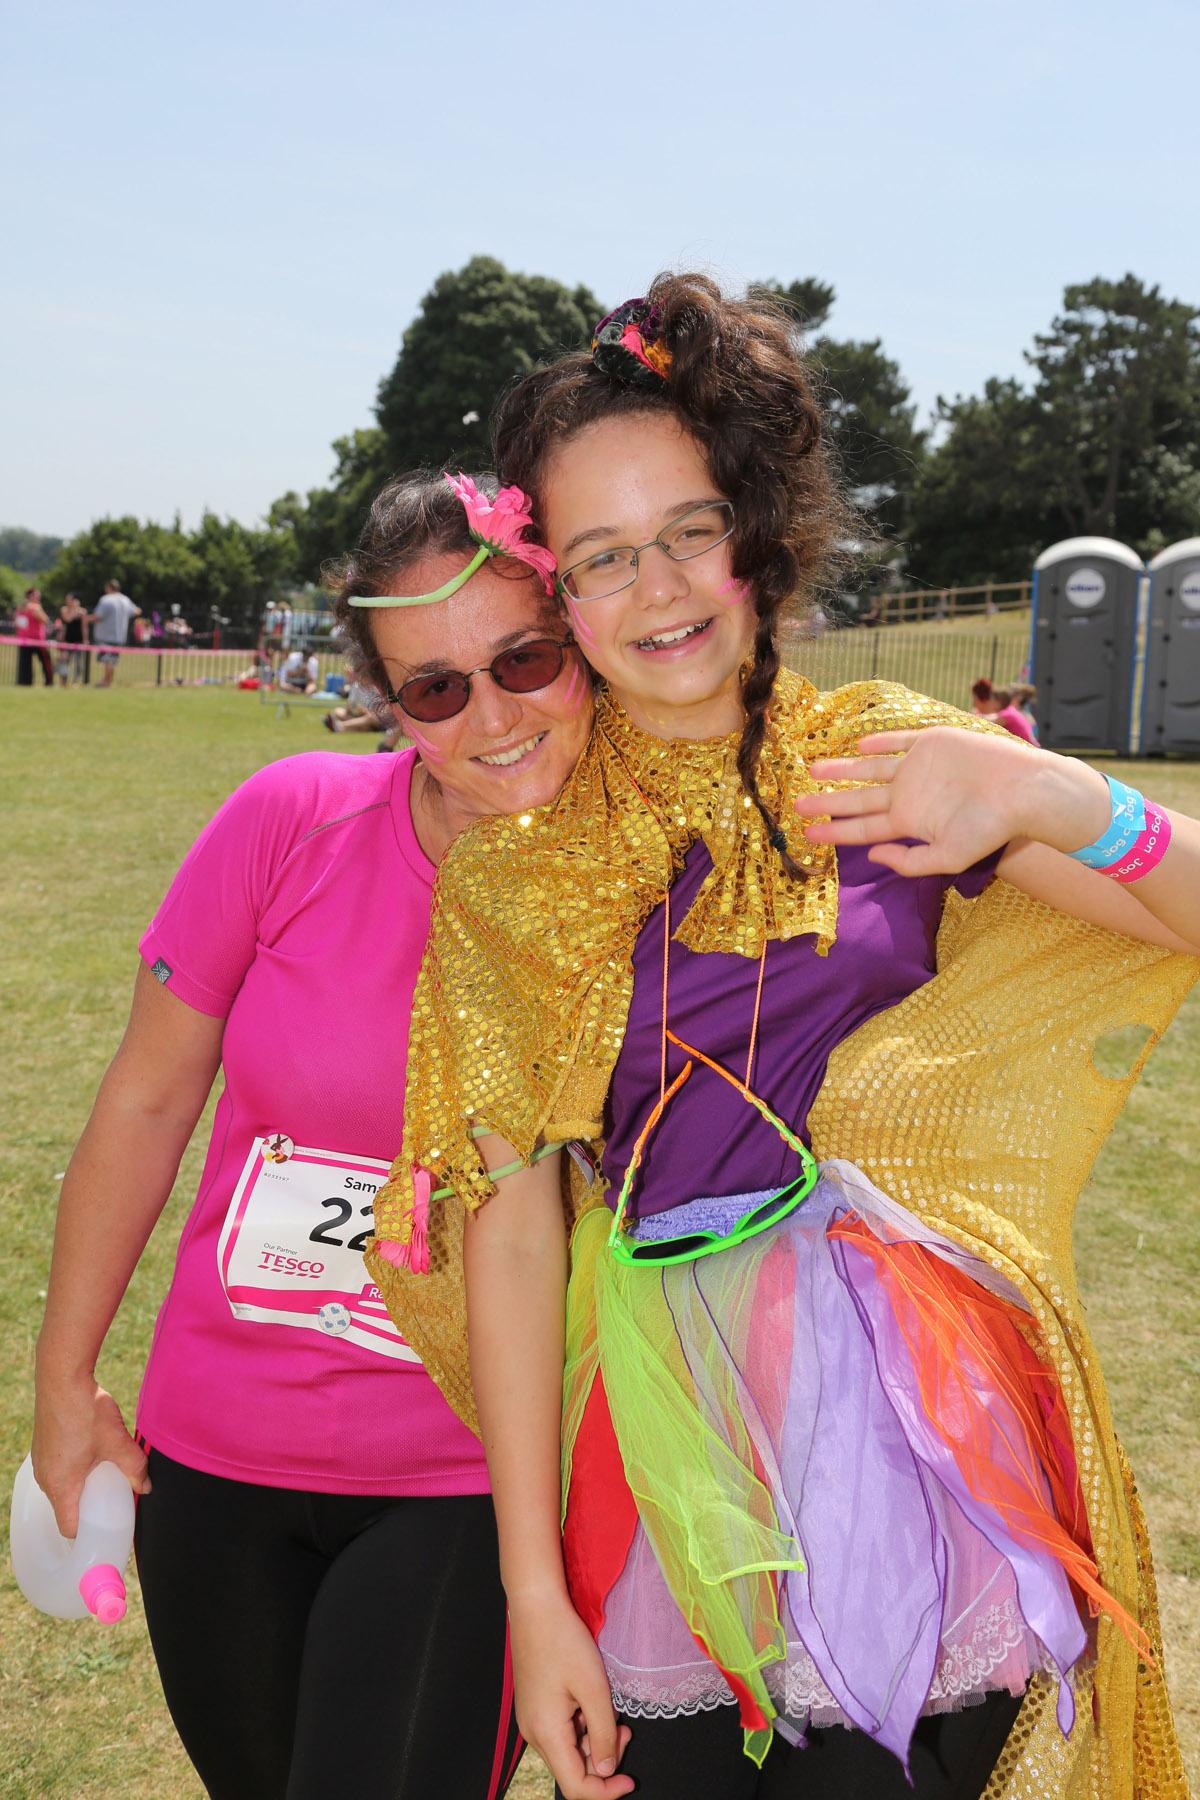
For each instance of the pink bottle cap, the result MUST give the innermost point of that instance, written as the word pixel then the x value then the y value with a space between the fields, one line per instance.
pixel 103 1593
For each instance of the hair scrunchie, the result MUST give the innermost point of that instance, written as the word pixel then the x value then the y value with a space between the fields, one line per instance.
pixel 626 345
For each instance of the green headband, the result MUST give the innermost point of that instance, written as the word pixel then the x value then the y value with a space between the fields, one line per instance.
pixel 442 593
pixel 498 526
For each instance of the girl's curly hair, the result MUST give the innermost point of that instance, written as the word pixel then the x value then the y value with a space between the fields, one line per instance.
pixel 739 384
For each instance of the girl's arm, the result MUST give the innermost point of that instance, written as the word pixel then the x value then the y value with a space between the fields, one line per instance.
pixel 964 795
pixel 116 1185
pixel 515 1256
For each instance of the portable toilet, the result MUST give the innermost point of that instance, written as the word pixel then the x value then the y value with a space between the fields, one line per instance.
pixel 1085 608
pixel 1171 694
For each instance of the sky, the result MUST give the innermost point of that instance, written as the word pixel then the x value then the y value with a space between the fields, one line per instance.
pixel 216 221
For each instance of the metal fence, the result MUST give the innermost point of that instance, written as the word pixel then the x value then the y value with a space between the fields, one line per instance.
pixel 162 668
pixel 932 660
pixel 918 604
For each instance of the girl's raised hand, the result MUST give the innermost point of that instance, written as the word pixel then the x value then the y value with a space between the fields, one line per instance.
pixel 564 1708
pixel 962 795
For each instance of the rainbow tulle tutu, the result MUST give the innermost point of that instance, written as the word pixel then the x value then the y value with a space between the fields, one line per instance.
pixel 823 1474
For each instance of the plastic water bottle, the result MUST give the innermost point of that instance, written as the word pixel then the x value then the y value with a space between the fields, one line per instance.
pixel 72 1577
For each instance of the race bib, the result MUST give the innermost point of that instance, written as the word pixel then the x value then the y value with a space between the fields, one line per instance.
pixel 291 1248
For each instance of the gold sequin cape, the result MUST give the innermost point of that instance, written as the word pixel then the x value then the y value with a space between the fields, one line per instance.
pixel 975 1101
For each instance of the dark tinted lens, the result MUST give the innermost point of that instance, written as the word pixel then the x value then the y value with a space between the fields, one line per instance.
pixel 529 666
pixel 660 1248
pixel 433 697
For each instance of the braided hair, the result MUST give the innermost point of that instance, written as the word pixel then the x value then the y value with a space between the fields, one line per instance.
pixel 734 378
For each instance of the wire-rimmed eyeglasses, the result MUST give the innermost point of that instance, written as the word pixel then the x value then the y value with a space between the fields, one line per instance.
pixel 699 529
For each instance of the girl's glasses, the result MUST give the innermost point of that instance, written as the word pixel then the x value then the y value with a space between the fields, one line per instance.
pixel 432 698
pixel 699 529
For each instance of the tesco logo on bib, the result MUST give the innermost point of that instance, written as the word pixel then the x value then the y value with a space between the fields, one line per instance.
pixel 281 1264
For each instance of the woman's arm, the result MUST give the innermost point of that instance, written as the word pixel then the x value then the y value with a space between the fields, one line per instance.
pixel 515 1256
pixel 964 795
pixel 116 1185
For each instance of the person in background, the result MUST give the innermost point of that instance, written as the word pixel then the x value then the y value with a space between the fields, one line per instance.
pixel 71 630
pixel 30 628
pixel 178 633
pixel 110 624
pixel 1006 705
pixel 300 674
pixel 276 636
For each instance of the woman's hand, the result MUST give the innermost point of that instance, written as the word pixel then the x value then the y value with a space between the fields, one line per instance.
pixel 962 795
pixel 77 1425
pixel 564 1708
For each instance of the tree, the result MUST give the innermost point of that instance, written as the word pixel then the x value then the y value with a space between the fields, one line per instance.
pixel 1105 440
pixel 479 328
pixel 27 551
pixel 324 524
pixel 154 564
pixel 809 301
pixel 1118 394
pixel 13 583
pixel 241 571
pixel 873 428
pixel 870 421
pixel 977 511
pixel 222 567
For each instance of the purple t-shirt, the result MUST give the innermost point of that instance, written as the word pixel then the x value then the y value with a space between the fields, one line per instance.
pixel 710 1141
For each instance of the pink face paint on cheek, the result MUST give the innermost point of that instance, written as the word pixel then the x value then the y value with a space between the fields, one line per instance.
pixel 735 589
pixel 583 631
pixel 429 751
pixel 572 696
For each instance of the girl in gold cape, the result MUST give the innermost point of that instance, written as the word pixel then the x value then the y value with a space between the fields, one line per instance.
pixel 982 1134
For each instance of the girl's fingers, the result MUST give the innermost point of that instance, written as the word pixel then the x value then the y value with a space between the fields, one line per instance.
pixel 560 1748
pixel 913 859
pixel 623 1736
pixel 855 768
pixel 844 803
pixel 868 828
pixel 891 743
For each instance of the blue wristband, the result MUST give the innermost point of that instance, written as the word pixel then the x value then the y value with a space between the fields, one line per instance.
pixel 1126 826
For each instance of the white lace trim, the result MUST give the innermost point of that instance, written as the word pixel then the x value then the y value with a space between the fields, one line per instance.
pixel 964 1674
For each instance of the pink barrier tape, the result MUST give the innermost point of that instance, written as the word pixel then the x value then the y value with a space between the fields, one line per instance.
pixel 54 645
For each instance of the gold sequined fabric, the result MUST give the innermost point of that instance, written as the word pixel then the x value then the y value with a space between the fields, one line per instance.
pixel 976 1101
pixel 521 1005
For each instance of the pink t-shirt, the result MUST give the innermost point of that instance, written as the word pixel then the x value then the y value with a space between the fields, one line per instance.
pixel 299 916
pixel 1016 721
pixel 28 628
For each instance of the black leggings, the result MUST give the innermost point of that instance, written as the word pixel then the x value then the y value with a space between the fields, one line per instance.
pixel 701 1759
pixel 318 1644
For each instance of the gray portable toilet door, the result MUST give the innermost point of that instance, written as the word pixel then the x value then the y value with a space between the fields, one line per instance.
pixel 1181 663
pixel 1077 610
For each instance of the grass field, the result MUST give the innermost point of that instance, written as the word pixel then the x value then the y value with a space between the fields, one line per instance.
pixel 103 794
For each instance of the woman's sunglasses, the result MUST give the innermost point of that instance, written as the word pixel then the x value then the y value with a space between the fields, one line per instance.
pixel 432 698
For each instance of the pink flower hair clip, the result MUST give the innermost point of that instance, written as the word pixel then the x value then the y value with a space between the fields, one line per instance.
pixel 498 527
pixel 627 345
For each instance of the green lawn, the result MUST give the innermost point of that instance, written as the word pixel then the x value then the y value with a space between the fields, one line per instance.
pixel 104 791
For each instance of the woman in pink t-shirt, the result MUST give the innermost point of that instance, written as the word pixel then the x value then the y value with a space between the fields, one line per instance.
pixel 307 1493
pixel 1006 705
pixel 30 627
